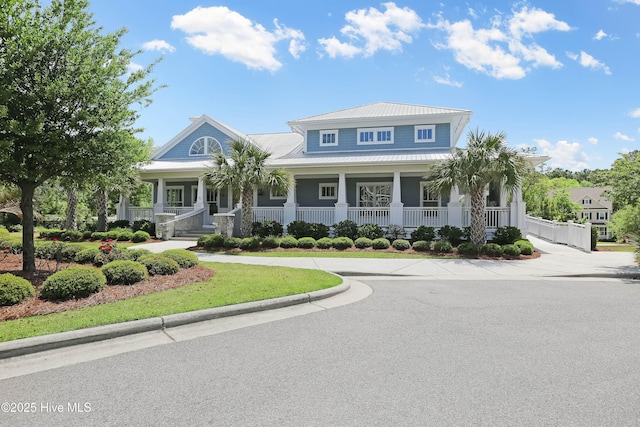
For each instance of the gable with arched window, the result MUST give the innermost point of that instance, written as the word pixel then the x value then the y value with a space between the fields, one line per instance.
pixel 205 146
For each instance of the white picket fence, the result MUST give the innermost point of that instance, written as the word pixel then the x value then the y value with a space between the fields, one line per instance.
pixel 565 233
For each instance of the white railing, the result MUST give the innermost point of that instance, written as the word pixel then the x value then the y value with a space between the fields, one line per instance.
pixel 178 210
pixel 566 233
pixel 379 216
pixel 137 213
pixel 493 217
pixel 268 214
pixel 316 215
pixel 430 217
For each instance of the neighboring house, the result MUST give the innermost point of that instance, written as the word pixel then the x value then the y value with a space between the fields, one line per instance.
pixel 596 207
pixel 365 164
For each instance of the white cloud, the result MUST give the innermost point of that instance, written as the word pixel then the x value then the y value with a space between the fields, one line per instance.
pixel 635 113
pixel 593 140
pixel 589 61
pixel 600 35
pixel 505 50
pixel 446 80
pixel 218 30
pixel 564 154
pixel 133 67
pixel 630 1
pixel 159 45
pixel 621 136
pixel 370 30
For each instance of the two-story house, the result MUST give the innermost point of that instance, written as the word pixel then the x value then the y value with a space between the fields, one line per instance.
pixel 367 164
pixel 596 207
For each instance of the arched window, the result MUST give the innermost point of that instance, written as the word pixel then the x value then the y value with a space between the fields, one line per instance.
pixel 204 146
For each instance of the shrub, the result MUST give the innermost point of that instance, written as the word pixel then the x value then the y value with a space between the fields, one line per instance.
pixel 68 253
pixel 363 242
pixel 250 243
pixel 491 249
pixel 51 233
pixel 99 235
pixel 451 233
pixel 318 230
pixel 267 228
pixel 421 245
pixel 86 235
pixel 288 242
pixel 159 265
pixel 14 289
pixel 594 238
pixel 115 233
pixel 232 242
pixel 124 272
pixel 118 224
pixel 109 251
pixel 73 282
pixel 87 256
pixel 135 254
pixel 140 236
pixel 299 229
pixel 144 225
pixel 211 241
pixel 468 248
pixel 49 250
pixel 511 250
pixel 380 243
pixel 324 243
pixel 346 228
pixel 395 232
pixel 423 233
pixel 342 243
pixel 370 231
pixel 526 247
pixel 270 242
pixel 184 258
pixel 401 244
pixel 71 235
pixel 307 243
pixel 443 246
pixel 13 247
pixel 506 235
pixel 125 236
pixel 14 228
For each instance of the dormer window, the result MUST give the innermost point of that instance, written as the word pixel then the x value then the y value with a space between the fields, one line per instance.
pixel 370 136
pixel 204 146
pixel 425 133
pixel 586 201
pixel 328 138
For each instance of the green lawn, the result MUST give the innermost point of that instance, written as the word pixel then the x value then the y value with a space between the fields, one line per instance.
pixel 615 247
pixel 232 284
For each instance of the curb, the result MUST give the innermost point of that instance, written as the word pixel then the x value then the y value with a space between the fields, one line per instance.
pixel 22 347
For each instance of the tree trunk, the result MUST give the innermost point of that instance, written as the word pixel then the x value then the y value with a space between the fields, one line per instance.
pixel 478 227
pixel 70 222
pixel 28 248
pixel 246 221
pixel 101 206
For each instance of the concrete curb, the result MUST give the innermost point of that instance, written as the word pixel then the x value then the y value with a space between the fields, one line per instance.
pixel 32 345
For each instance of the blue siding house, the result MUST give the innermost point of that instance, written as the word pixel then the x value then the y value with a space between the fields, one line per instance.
pixel 365 164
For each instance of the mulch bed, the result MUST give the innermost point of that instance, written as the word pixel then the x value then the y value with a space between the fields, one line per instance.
pixel 10 263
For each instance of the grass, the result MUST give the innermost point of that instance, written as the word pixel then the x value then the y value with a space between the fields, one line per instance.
pixel 232 284
pixel 331 254
pixel 615 247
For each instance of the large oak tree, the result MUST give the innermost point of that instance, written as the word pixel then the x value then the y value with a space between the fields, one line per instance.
pixel 67 98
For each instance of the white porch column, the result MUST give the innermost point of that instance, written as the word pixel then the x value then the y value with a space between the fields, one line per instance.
pixel 454 208
pixel 342 207
pixel 396 208
pixel 199 202
pixel 290 205
pixel 158 207
pixel 230 198
pixel 518 211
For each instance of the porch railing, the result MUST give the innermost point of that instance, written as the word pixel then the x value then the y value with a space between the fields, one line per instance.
pixel 138 213
pixel 430 217
pixel 316 215
pixel 178 210
pixel 566 233
pixel 361 216
pixel 268 214
pixel 493 217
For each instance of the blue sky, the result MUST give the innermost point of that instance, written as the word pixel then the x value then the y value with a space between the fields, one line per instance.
pixel 561 76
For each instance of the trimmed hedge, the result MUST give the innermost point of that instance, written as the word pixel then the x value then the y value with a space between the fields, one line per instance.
pixel 423 233
pixel 232 242
pixel 211 241
pixel 184 258
pixel 370 231
pixel 288 242
pixel 421 246
pixel 135 254
pixel 307 243
pixel 14 289
pixel 363 242
pixel 324 243
pixel 342 243
pixel 506 235
pixel 346 228
pixel 401 244
pixel 381 243
pixel 140 236
pixel 249 243
pixel 271 242
pixel 73 282
pixel 526 247
pixel 87 256
pixel 452 234
pixel 492 250
pixel 124 272
pixel 159 265
pixel 443 246
pixel 511 250
pixel 468 248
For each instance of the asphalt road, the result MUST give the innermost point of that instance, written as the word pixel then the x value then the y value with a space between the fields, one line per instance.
pixel 416 352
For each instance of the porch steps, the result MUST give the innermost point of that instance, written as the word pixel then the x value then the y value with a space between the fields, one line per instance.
pixel 192 235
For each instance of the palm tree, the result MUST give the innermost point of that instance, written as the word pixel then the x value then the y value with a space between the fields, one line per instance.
pixel 486 160
pixel 245 171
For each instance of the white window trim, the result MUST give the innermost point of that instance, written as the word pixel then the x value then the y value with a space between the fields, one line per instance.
pixel 206 195
pixel 375 136
pixel 328 184
pixel 174 187
pixel 424 127
pixel 422 186
pixel 329 132
pixel 194 194
pixel 586 201
pixel 365 184
pixel 207 141
pixel 276 196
